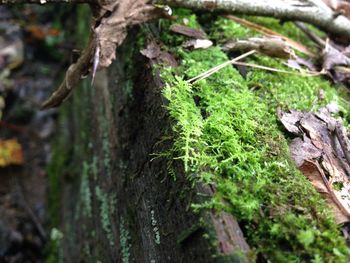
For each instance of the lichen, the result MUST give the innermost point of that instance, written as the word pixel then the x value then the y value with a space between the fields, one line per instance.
pixel 104 214
pixel 124 242
pixel 155 228
pixel 227 134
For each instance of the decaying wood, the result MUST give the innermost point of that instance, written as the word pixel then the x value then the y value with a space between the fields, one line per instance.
pixel 315 12
pixel 270 33
pixel 321 152
pixel 272 46
pixel 229 234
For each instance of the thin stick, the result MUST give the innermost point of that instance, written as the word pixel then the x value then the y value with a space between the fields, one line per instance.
pixel 307 74
pixel 218 67
pixel 315 38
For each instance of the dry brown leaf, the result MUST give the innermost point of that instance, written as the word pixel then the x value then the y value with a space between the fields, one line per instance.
pixel 319 154
pixel 152 50
pixel 10 153
pixel 332 57
pixel 298 62
pixel 188 31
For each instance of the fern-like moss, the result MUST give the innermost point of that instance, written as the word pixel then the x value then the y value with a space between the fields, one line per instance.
pixel 228 135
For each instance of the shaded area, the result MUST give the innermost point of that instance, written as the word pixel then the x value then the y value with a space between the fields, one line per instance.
pixel 30 55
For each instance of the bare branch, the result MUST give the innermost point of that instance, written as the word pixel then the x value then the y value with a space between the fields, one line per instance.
pixel 110 32
pixel 315 12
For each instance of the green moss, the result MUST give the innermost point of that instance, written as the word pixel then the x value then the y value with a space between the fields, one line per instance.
pixel 224 29
pixel 228 135
pixel 104 214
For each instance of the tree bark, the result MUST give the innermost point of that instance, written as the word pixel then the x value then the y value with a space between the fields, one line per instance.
pixel 129 207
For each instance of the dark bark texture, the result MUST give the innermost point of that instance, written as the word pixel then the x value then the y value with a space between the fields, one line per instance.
pixel 121 199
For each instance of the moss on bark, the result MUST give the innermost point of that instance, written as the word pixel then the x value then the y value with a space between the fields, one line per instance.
pixel 227 134
pixel 222 131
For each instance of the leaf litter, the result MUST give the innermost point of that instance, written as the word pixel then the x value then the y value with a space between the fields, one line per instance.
pixel 320 149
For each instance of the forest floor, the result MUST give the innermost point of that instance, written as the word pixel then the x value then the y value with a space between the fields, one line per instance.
pixel 28 69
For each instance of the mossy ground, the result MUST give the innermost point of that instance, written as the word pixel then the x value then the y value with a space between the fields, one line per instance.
pixel 227 134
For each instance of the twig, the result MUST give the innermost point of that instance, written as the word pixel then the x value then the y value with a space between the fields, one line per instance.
pixel 218 67
pixel 319 41
pixel 307 74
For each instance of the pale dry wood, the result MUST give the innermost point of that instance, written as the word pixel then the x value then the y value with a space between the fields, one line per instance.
pixel 315 12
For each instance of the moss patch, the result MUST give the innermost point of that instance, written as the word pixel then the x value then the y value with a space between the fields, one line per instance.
pixel 105 214
pixel 228 135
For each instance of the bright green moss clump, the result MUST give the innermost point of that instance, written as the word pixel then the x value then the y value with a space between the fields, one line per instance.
pixel 228 135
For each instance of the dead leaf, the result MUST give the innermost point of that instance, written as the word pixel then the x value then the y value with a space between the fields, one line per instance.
pixel 332 57
pixel 188 31
pixel 290 120
pixel 319 153
pixel 152 50
pixel 10 153
pixel 298 62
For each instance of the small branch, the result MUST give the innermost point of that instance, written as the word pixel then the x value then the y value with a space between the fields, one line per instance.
pixel 302 74
pixel 315 12
pixel 315 38
pixel 110 32
pixel 72 78
pixel 218 67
